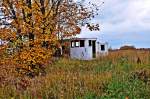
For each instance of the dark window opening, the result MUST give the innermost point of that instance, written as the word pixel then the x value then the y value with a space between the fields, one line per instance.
pixel 81 43
pixel 94 48
pixel 72 44
pixel 102 47
pixel 78 43
pixel 90 43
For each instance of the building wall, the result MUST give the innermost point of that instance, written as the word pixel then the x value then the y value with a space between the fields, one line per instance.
pixel 78 53
pixel 99 52
pixel 85 53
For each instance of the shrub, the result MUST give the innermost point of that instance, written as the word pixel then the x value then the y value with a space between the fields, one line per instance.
pixel 122 87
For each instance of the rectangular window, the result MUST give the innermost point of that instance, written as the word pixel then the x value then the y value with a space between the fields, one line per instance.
pixel 77 43
pixel 90 43
pixel 72 44
pixel 81 43
pixel 102 47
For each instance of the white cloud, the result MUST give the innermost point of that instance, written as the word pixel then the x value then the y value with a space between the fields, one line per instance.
pixel 129 16
pixel 125 20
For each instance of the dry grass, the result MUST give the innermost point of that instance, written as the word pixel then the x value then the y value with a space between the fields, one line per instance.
pixel 69 79
pixel 132 55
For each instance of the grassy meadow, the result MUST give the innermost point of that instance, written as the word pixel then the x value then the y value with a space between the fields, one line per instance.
pixel 123 74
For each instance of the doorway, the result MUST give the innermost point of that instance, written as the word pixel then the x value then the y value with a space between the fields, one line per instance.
pixel 94 49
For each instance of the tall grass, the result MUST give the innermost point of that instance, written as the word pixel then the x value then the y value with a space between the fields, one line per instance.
pixel 116 76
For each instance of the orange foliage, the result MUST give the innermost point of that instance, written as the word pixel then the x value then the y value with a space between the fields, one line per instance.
pixel 35 27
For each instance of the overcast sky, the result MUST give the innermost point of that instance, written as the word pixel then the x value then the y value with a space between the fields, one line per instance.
pixel 123 22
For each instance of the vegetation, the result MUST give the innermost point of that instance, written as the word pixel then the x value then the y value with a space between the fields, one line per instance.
pixel 116 76
pixel 33 30
pixel 126 47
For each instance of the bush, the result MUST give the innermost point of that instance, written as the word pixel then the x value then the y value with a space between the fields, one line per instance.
pixel 122 87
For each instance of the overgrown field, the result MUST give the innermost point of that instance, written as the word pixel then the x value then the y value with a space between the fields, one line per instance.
pixel 120 75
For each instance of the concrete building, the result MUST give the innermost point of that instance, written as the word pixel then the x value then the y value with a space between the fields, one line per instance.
pixel 87 48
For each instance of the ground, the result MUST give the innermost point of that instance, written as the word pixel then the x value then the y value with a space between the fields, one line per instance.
pixel 123 74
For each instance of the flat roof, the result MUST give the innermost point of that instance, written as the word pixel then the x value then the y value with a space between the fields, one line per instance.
pixel 83 38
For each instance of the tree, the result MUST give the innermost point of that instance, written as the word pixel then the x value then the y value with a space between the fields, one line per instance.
pixel 33 29
pixel 127 47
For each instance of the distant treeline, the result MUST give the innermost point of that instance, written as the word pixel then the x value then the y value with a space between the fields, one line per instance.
pixel 129 48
